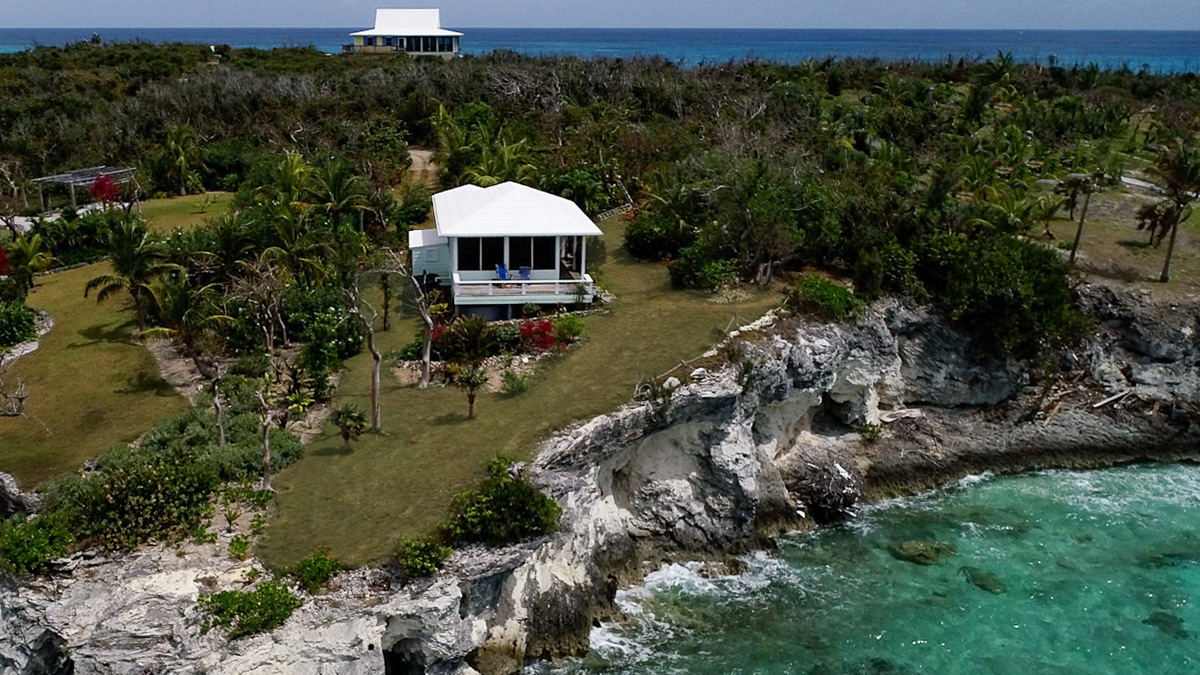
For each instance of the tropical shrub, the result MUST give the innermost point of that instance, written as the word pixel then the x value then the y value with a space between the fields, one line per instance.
pixel 244 613
pixel 316 570
pixel 815 294
pixel 694 268
pixel 239 547
pixel 28 546
pixel 568 329
pixel 350 420
pixel 651 236
pixel 16 324
pixel 420 557
pixel 502 510
pixel 537 336
pixel 513 383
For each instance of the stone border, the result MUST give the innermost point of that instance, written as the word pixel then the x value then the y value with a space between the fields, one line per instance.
pixel 43 322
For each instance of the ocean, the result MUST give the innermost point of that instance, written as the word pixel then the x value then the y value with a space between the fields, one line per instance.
pixel 1157 51
pixel 1054 572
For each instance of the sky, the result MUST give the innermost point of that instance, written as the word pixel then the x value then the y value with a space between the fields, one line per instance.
pixel 1023 14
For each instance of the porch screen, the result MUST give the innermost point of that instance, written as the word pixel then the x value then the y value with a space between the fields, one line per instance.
pixel 468 254
pixel 492 253
pixel 543 253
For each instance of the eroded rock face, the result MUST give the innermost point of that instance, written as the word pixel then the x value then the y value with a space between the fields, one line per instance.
pixel 14 502
pixel 738 453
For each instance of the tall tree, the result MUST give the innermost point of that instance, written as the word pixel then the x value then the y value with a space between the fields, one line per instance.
pixel 182 154
pixel 1178 170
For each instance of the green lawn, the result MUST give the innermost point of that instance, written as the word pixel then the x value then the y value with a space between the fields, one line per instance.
pixel 398 483
pixel 1112 246
pixel 89 385
pixel 167 215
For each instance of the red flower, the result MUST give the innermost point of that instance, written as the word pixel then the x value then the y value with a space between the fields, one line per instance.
pixel 105 190
pixel 5 268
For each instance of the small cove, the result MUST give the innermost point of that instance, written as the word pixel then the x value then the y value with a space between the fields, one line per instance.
pixel 1057 571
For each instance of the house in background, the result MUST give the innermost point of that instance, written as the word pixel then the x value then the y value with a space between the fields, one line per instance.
pixel 417 32
pixel 505 246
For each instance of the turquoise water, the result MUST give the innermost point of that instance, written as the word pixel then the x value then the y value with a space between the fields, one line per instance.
pixel 1159 51
pixel 1088 572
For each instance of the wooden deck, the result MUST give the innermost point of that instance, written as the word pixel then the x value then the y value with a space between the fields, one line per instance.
pixel 510 292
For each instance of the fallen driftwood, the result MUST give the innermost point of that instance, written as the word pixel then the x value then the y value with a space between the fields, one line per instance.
pixel 1112 399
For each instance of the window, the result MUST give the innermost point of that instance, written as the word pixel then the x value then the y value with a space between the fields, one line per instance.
pixel 390 42
pixel 445 44
pixel 520 252
pixel 492 252
pixel 414 44
pixel 544 254
pixel 429 44
pixel 468 254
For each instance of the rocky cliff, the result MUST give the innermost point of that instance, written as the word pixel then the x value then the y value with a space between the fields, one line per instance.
pixel 792 422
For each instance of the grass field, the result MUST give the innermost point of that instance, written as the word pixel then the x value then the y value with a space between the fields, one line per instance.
pixel 164 216
pixel 1112 246
pixel 89 385
pixel 357 501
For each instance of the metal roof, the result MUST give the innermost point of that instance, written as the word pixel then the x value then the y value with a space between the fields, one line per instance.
pixel 407 23
pixel 420 238
pixel 87 177
pixel 508 210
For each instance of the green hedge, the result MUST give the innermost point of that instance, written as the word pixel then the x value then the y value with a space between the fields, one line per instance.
pixel 28 546
pixel 250 612
pixel 16 324
pixel 815 294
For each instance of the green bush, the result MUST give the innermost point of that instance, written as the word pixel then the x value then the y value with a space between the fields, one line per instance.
pixel 651 237
pixel 420 557
pixel 250 612
pixel 502 510
pixel 16 324
pixel 513 383
pixel 239 547
pixel 316 570
pixel 694 268
pixel 28 546
pixel 568 329
pixel 815 294
pixel 1013 295
pixel 251 365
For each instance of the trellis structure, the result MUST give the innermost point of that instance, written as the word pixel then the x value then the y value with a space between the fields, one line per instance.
pixel 82 178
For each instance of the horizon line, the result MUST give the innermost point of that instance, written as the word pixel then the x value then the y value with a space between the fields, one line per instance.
pixel 637 28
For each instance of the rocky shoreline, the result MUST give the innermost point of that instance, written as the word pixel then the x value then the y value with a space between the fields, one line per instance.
pixel 788 434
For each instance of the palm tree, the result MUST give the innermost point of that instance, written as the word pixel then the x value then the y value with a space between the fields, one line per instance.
pixel 136 261
pixel 476 339
pixel 26 257
pixel 471 380
pixel 581 187
pixel 290 182
pixel 337 191
pixel 1080 183
pixel 501 161
pixel 300 249
pixel 183 311
pixel 182 154
pixel 1178 170
pixel 350 421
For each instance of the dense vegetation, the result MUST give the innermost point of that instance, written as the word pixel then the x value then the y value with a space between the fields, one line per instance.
pixel 907 178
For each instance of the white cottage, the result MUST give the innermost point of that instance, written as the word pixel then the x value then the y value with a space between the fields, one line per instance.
pixel 504 246
pixel 417 32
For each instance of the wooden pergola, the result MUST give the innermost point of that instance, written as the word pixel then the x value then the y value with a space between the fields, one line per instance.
pixel 82 178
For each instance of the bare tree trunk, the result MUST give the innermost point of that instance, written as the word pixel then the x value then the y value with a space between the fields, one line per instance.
pixel 427 318
pixel 220 414
pixel 1079 230
pixel 1166 272
pixel 385 287
pixel 376 366
pixel 266 441
pixel 471 406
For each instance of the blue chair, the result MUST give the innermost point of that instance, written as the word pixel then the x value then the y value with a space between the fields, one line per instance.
pixel 523 273
pixel 502 272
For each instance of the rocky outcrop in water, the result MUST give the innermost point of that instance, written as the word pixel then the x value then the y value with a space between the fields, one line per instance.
pixel 775 439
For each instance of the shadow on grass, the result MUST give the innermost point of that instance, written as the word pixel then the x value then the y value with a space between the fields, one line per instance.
pixel 145 382
pixel 120 333
pixel 340 450
pixel 450 419
pixel 1133 243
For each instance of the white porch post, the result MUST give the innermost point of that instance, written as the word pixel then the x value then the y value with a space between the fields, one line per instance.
pixel 557 258
pixel 507 259
pixel 453 255
pixel 582 257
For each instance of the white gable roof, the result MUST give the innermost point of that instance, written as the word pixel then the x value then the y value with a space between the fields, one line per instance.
pixel 422 238
pixel 407 23
pixel 508 210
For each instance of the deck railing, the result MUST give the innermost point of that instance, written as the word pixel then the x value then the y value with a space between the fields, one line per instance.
pixel 568 288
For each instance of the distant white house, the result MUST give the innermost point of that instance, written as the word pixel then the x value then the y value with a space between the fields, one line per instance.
pixel 406 31
pixel 506 245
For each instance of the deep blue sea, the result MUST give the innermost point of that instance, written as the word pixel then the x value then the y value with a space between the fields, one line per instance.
pixel 1159 51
